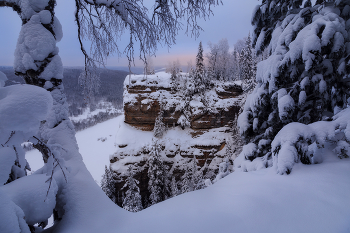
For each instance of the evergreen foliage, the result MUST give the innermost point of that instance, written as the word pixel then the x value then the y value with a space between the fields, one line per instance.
pixel 132 200
pixel 199 73
pixel 157 175
pixel 174 187
pixel 306 77
pixel 108 183
pixel 247 64
pixel 159 126
pixel 189 179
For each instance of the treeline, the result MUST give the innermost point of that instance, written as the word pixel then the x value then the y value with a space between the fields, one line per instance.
pixel 111 88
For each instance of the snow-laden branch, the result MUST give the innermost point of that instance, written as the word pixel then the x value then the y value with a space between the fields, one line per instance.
pixel 10 3
pixel 103 22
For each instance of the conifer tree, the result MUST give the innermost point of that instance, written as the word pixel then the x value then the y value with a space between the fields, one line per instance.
pixel 187 184
pixel 305 78
pixel 248 66
pixel 199 182
pixel 159 126
pixel 199 74
pixel 132 200
pixel 174 188
pixel 156 175
pixel 189 178
pixel 108 184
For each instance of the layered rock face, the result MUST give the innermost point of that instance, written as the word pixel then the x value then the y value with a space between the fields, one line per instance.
pixel 143 99
pixel 209 115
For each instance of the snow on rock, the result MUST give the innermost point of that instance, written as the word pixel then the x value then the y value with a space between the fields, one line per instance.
pixel 22 107
pixel 145 96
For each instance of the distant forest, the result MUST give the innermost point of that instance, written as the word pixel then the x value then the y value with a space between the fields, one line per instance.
pixel 111 88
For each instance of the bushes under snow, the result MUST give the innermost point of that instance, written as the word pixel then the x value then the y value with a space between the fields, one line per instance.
pixel 297 142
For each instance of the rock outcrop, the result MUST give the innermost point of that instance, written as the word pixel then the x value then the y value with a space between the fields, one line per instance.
pixel 209 114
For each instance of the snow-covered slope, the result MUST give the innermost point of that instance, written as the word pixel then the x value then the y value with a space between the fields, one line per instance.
pixel 313 198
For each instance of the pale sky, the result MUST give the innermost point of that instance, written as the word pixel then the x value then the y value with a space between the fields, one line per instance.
pixel 231 21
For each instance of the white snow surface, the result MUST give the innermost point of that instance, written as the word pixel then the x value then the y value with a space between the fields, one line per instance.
pixel 313 198
pixel 32 106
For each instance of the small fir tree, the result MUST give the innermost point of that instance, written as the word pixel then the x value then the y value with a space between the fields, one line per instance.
pixel 188 179
pixel 132 200
pixel 108 183
pixel 159 126
pixel 174 188
pixel 199 74
pixel 156 174
pixel 248 66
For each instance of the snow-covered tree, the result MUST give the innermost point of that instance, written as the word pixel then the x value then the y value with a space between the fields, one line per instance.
pixel 149 66
pixel 157 175
pixel 234 144
pixel 174 68
pixel 199 181
pixel 188 183
pixel 247 65
pixel 38 62
pixel 306 77
pixel 219 59
pixel 223 170
pixel 132 199
pixel 108 184
pixel 174 187
pixel 198 76
pixel 159 126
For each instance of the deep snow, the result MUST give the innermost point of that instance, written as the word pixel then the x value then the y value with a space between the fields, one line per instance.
pixel 313 198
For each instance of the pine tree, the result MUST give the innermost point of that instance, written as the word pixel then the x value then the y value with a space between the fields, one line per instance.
pixel 108 184
pixel 132 200
pixel 199 182
pixel 247 66
pixel 159 126
pixel 234 144
pixel 156 175
pixel 303 80
pixel 189 178
pixel 174 188
pixel 187 185
pixel 199 74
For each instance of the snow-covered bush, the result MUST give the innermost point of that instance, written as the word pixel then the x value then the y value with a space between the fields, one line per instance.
pixel 223 170
pixel 297 142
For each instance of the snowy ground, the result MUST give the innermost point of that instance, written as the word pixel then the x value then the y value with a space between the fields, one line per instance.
pixel 313 198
